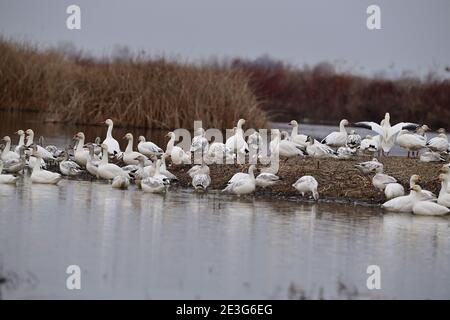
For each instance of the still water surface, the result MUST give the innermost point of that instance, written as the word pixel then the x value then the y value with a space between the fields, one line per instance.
pixel 208 246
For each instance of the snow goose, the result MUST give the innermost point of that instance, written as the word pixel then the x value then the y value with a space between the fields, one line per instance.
pixel 38 151
pixel 444 195
pixel 68 167
pixel 353 140
pixel 386 132
pixel 81 154
pixel 284 148
pixel 439 143
pixel 255 144
pixel 199 142
pixel 21 143
pixel 369 166
pixel 427 195
pixel 338 138
pixel 157 183
pixel 7 178
pixel 120 182
pixel 370 144
pixel 411 141
pixel 266 179
pixel 236 143
pixel 148 148
pixel 245 185
pixel 446 170
pixel 297 138
pixel 201 179
pixel 178 155
pixel 129 156
pixel 16 165
pixel 108 171
pixel 394 190
pixel 113 145
pixel 406 203
pixel 427 208
pixel 92 162
pixel 307 184
pixel 318 150
pixel 43 176
pixel 163 168
pixel 381 180
pixel 219 153
pixel 7 154
pixel 345 153
pixel 431 156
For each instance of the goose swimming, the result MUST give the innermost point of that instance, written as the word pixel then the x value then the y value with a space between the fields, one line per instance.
pixel 39 150
pixel 108 171
pixel 7 178
pixel 386 132
pixel 338 138
pixel 178 155
pixel 92 162
pixel 120 182
pixel 43 176
pixel 406 203
pixel 110 142
pixel 244 185
pixel 7 154
pixel 16 165
pixel 148 148
pixel 307 184
pixel 156 183
pixel 81 154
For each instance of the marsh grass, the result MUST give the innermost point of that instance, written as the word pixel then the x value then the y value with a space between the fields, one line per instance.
pixel 148 93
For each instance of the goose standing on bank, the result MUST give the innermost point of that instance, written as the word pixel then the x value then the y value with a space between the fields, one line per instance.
pixel 7 178
pixel 368 167
pixel 236 143
pixel 297 138
pixel 318 150
pixel 110 142
pixel 338 138
pixel 178 155
pixel 439 143
pixel 386 132
pixel 412 142
pixel 148 148
pixel 284 148
pixel 380 180
pixel 201 179
pixel 245 185
pixel 307 184
pixel 130 156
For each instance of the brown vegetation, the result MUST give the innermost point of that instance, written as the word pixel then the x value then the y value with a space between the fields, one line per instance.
pixel 133 91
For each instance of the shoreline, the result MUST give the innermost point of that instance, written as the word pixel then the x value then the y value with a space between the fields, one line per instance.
pixel 339 181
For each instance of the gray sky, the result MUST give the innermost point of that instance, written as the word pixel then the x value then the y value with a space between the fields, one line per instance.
pixel 414 35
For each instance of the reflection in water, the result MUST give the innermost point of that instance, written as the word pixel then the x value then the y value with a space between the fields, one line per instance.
pixel 187 245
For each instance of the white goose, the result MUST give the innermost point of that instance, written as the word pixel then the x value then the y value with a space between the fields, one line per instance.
pixel 199 142
pixel 307 184
pixel 316 149
pixel 219 153
pixel 7 154
pixel 381 180
pixel 92 161
pixel 338 138
pixel 297 138
pixel 369 166
pixel 81 154
pixel 439 143
pixel 444 195
pixel 156 183
pixel 178 155
pixel 386 132
pixel 394 190
pixel 427 208
pixel 446 170
pixel 431 156
pixel 411 141
pixel 21 143
pixel 353 140
pixel 130 156
pixel 7 178
pixel 266 179
pixel 148 148
pixel 44 154
pixel 236 143
pixel 110 142
pixel 43 176
pixel 108 171
pixel 120 182
pixel 201 179
pixel 284 148
pixel 245 185
pixel 163 168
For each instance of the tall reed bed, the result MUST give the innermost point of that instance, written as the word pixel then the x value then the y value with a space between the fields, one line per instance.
pixel 133 91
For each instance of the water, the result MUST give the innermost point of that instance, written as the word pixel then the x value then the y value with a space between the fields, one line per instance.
pixel 189 246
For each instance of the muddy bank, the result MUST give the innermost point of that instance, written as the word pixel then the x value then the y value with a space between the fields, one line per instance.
pixel 338 179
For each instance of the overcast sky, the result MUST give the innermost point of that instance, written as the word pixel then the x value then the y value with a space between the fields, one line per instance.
pixel 414 35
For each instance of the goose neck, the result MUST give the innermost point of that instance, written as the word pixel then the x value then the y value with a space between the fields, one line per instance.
pixel 129 148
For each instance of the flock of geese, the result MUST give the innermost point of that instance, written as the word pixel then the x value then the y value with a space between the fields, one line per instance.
pixel 146 166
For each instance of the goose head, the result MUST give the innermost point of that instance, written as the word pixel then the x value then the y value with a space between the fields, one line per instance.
pixel 109 122
pixel 128 136
pixel 79 136
pixel 104 147
pixel 415 178
pixel 344 122
pixel 415 189
pixel 441 131
pixel 6 139
pixel 293 123
pixel 29 132
pixel 240 123
pixel 309 140
pixel 387 117
pixel 141 139
pixel 443 177
pixel 20 132
pixel 171 135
